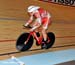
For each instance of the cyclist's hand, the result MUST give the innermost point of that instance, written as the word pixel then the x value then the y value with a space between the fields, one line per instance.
pixel 27 26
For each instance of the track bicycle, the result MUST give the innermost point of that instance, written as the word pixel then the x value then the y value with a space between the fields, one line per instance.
pixel 25 40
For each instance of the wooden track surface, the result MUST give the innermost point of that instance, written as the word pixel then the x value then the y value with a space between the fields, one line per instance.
pixel 13 14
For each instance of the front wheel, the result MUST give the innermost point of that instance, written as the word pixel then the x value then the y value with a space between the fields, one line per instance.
pixel 21 45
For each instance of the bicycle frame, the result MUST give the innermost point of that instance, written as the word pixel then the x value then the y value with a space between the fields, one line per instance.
pixel 38 39
pixel 25 40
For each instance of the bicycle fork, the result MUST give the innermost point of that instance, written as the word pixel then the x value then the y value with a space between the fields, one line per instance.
pixel 27 39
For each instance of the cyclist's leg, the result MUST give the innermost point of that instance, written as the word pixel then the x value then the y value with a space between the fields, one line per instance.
pixel 44 32
pixel 45 27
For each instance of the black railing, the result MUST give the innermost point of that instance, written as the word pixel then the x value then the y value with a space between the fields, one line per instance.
pixel 64 2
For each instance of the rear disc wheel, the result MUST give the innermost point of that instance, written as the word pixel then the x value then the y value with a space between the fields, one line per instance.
pixel 51 37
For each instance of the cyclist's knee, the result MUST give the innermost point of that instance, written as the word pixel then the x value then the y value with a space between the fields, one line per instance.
pixel 43 31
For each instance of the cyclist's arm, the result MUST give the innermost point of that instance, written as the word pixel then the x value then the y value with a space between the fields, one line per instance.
pixel 29 21
pixel 38 20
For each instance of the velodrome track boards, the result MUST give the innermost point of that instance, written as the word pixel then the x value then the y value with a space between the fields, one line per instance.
pixel 13 15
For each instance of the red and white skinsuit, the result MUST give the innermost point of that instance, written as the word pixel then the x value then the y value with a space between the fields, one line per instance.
pixel 42 18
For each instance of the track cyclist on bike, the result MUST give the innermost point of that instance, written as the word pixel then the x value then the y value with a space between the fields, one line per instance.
pixel 42 19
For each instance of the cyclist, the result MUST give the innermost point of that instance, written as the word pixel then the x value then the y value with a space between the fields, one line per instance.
pixel 42 18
